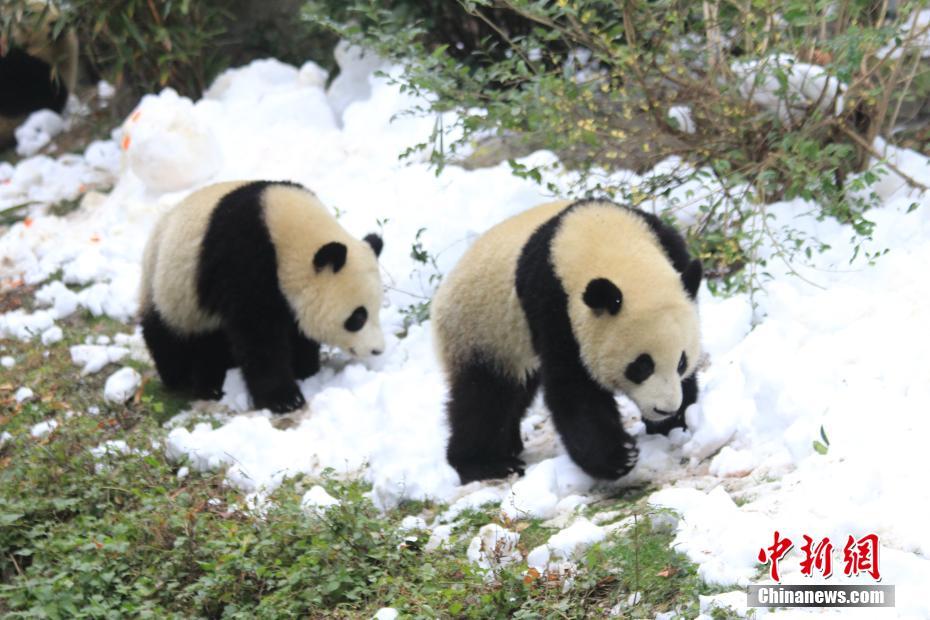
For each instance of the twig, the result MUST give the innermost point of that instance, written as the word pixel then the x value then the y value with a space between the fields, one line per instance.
pixel 871 150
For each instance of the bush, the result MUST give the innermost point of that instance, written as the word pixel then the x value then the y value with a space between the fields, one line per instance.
pixel 146 45
pixel 761 101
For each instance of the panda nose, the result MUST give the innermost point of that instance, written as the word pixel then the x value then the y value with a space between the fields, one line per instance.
pixel 376 351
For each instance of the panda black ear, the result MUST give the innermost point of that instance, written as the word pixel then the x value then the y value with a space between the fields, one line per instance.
pixel 333 254
pixel 375 242
pixel 691 277
pixel 602 294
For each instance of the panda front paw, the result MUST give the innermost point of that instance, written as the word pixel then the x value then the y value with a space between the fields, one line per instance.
pixel 284 399
pixel 611 462
pixel 664 427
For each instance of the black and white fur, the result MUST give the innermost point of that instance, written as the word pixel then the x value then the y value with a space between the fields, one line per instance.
pixel 37 70
pixel 257 275
pixel 585 299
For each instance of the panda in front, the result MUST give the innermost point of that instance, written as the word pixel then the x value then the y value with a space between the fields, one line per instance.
pixel 587 299
pixel 256 274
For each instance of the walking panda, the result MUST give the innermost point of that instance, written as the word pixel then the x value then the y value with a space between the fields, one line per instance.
pixel 256 274
pixel 586 298
pixel 37 69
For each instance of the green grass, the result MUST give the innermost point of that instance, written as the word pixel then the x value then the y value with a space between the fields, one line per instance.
pixel 125 537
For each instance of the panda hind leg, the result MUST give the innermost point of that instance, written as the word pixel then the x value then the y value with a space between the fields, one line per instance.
pixel 484 412
pixel 171 352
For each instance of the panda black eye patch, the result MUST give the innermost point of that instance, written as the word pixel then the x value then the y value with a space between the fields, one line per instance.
pixel 356 320
pixel 682 364
pixel 640 369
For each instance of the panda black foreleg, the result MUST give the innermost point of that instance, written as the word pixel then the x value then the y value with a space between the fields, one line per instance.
pixel 170 351
pixel 525 399
pixel 306 354
pixel 484 411
pixel 262 348
pixel 210 361
pixel 689 394
pixel 588 421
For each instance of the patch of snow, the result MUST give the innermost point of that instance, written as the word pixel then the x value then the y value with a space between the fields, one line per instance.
pixel 439 536
pixel 7 361
pixel 37 131
pixel 105 90
pixel 23 394
pixel 121 385
pixel 356 66
pixel 24 325
pixel 169 144
pixel 63 300
pixel 807 85
pixel 94 357
pixel 494 547
pixel 52 335
pixel 681 116
pixel 386 613
pixel 43 428
pixel 412 522
pixel 317 500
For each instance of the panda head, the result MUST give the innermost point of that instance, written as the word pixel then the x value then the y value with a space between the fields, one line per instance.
pixel 643 347
pixel 341 300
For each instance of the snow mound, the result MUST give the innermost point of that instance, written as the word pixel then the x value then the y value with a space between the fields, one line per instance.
pixel 168 143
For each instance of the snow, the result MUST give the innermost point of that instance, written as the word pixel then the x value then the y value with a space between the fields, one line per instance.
pixel 805 85
pixel 121 385
pixel 494 547
pixel 37 131
pixel 52 335
pixel 43 428
pixel 23 394
pixel 681 115
pixel 386 613
pixel 318 500
pixel 168 143
pixel 7 361
pixel 93 357
pixel 848 354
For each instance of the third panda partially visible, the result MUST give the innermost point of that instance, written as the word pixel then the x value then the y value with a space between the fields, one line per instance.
pixel 587 299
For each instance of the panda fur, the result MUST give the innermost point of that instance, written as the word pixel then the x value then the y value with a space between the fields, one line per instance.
pixel 571 296
pixel 37 72
pixel 256 274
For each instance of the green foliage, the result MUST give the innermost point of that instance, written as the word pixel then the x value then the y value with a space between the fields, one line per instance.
pixel 146 45
pixel 594 81
pixel 822 447
pixel 429 276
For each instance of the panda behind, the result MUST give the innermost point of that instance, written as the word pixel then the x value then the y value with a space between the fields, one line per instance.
pixel 586 299
pixel 256 274
pixel 37 69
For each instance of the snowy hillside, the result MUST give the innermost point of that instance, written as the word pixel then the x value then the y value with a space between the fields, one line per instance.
pixel 848 351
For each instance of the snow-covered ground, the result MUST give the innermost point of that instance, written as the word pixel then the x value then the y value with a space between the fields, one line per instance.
pixel 850 355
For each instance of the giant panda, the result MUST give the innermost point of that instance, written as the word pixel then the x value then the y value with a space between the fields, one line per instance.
pixel 585 298
pixel 37 69
pixel 256 274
